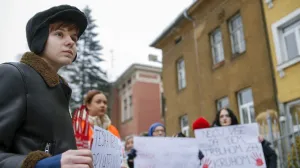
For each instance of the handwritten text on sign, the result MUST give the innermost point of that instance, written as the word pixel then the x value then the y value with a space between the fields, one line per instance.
pixel 158 152
pixel 106 149
pixel 231 147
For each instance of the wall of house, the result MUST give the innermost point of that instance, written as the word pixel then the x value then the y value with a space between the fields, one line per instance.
pixel 206 83
pixel 288 84
pixel 145 89
pixel 147 92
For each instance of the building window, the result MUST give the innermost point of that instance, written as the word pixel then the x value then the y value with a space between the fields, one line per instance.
pixel 237 34
pixel 181 74
pixel 217 46
pixel 184 125
pixel 286 34
pixel 130 107
pixel 126 112
pixel 246 106
pixel 293 111
pixel 178 40
pixel 222 103
pixel 130 100
pixel 163 104
pixel 291 40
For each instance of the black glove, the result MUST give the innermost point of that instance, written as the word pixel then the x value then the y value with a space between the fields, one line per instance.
pixel 130 157
pixel 132 154
pixel 200 155
pixel 270 154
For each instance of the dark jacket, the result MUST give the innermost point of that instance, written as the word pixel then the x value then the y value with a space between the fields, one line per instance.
pixel 270 154
pixel 34 115
pixel 130 158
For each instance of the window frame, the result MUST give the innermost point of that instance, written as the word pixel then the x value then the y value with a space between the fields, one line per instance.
pixel 288 107
pixel 220 100
pixel 124 110
pixel 127 109
pixel 296 31
pixel 181 74
pixel 185 129
pixel 246 106
pixel 218 45
pixel 283 61
pixel 241 36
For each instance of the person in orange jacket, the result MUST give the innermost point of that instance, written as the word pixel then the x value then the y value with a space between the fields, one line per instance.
pixel 93 112
pixel 96 106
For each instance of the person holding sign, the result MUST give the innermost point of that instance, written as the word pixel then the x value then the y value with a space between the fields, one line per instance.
pixel 200 123
pixel 92 113
pixel 226 117
pixel 36 127
pixel 155 130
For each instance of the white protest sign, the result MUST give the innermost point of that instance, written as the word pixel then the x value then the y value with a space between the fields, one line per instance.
pixel 166 152
pixel 231 147
pixel 106 149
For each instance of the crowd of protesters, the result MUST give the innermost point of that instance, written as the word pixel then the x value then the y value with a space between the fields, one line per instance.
pixel 224 117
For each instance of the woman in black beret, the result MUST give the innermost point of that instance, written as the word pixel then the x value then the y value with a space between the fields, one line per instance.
pixel 35 123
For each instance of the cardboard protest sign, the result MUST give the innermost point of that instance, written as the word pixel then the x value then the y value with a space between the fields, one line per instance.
pixel 166 152
pixel 106 149
pixel 231 147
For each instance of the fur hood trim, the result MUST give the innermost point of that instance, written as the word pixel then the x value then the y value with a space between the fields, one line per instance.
pixel 38 64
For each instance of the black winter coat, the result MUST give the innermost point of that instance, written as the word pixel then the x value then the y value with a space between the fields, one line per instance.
pixel 270 154
pixel 34 113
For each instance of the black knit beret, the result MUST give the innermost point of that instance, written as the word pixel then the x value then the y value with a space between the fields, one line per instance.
pixel 37 28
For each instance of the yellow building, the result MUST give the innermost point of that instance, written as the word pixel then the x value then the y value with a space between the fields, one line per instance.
pixel 215 55
pixel 283 26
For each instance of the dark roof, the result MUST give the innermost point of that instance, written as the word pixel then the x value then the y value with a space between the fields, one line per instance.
pixel 179 18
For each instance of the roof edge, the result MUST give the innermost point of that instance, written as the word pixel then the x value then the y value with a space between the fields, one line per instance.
pixel 170 27
pixel 132 68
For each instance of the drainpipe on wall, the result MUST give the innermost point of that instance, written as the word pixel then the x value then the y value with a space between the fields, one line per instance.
pixel 269 55
pixel 185 14
pixel 283 117
pixel 271 62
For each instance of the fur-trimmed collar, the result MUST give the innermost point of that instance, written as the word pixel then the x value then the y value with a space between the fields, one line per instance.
pixel 103 122
pixel 39 65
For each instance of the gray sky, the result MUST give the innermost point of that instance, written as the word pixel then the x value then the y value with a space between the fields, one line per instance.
pixel 127 27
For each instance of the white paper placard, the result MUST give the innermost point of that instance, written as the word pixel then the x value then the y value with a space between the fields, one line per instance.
pixel 231 147
pixel 166 152
pixel 106 149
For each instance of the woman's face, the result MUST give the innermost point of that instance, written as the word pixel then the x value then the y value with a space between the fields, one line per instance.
pixel 98 105
pixel 129 144
pixel 224 118
pixel 159 132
